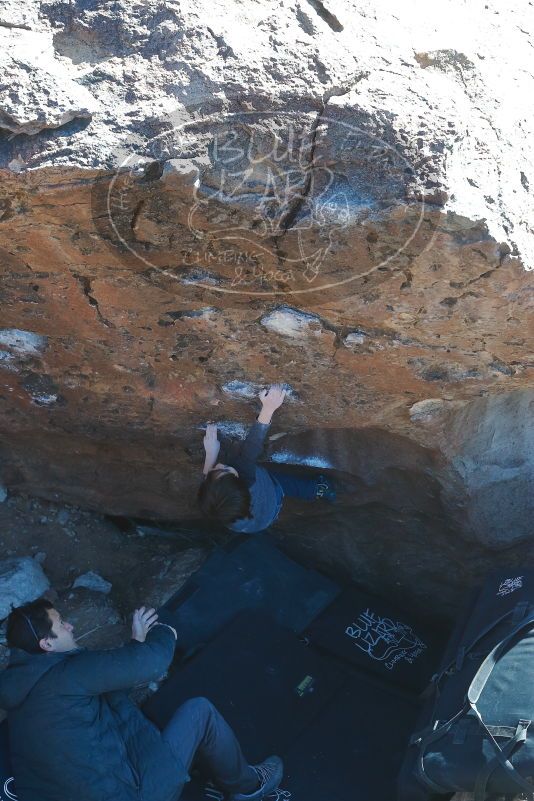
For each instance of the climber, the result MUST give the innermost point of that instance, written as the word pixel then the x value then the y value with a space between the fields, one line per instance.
pixel 244 496
pixel 74 733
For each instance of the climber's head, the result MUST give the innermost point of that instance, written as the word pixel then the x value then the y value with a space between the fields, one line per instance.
pixel 38 627
pixel 223 495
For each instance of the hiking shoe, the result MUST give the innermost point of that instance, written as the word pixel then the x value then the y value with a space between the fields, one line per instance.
pixel 325 489
pixel 270 773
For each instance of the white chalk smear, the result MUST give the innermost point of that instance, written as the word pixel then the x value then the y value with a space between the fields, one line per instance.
pixel 286 457
pixel 24 342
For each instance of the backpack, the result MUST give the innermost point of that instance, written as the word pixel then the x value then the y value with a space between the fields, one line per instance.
pixel 479 732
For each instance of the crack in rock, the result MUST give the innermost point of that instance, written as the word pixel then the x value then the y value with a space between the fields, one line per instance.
pixel 85 284
pixel 224 49
pixel 288 220
pixel 135 216
pixel 326 15
pixel 11 25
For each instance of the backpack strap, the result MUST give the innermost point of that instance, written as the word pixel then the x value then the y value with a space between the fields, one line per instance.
pixel 519 612
pixel 474 692
pixel 486 668
pixel 423 740
pixel 502 759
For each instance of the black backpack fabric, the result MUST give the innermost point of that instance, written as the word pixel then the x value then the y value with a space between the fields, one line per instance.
pixel 479 732
pixel 409 788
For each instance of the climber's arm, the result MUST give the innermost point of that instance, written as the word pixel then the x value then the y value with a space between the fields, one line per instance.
pixel 211 448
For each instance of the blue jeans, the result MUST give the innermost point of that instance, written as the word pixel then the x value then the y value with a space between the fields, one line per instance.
pixel 295 486
pixel 197 731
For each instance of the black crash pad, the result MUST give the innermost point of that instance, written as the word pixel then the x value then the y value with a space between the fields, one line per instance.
pixel 254 574
pixel 354 748
pixel 351 751
pixel 376 636
pixel 262 678
pixel 342 733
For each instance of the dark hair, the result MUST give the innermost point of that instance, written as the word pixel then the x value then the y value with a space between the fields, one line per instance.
pixel 226 498
pixel 28 624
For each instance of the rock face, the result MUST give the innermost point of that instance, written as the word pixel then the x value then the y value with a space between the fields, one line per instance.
pixel 197 199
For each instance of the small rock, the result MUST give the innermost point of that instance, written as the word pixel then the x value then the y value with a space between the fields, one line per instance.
pixel 92 581
pixel 355 338
pixel 63 517
pixel 40 557
pixel 16 165
pixel 3 494
pixel 426 410
pixel 182 170
pixel 21 580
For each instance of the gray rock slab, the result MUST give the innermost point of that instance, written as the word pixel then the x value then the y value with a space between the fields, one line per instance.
pixel 22 579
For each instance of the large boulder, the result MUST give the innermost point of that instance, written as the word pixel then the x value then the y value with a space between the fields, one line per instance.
pixel 197 199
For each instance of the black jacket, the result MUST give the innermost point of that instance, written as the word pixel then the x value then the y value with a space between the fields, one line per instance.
pixel 75 735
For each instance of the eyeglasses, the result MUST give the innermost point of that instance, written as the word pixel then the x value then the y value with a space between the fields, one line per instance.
pixel 30 624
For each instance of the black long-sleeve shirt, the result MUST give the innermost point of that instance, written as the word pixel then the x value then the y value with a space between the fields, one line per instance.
pixel 265 492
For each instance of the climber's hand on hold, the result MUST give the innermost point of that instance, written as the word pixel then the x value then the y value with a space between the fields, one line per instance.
pixel 271 400
pixel 211 442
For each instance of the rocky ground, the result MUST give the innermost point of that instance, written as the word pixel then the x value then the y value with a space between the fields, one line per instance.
pixel 125 569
